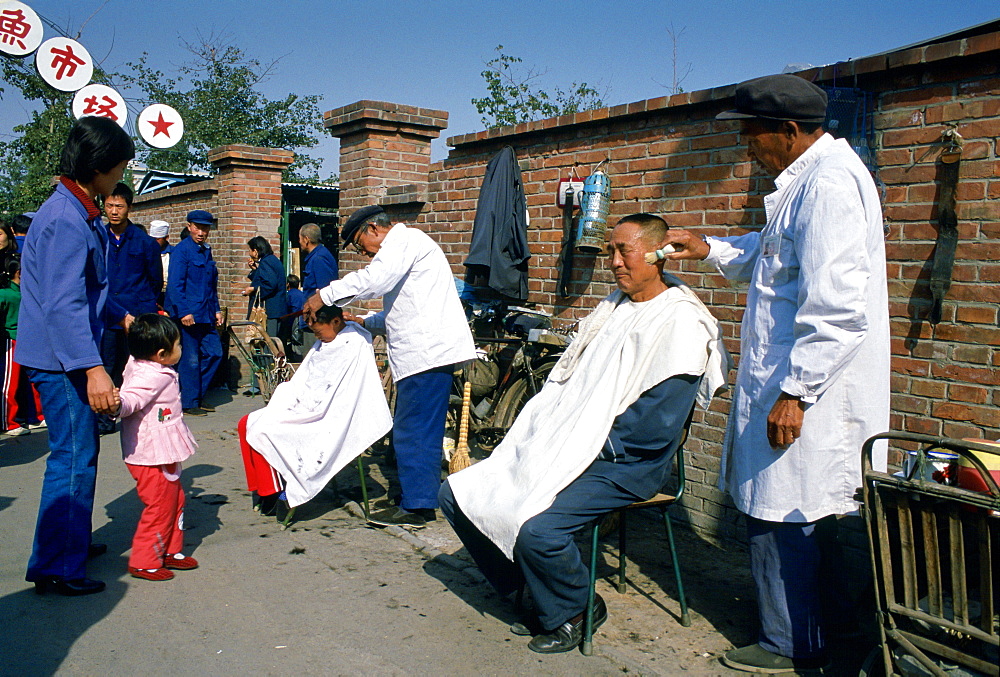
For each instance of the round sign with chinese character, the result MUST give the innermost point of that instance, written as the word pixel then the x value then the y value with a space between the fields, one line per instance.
pixel 20 29
pixel 160 125
pixel 64 64
pixel 102 101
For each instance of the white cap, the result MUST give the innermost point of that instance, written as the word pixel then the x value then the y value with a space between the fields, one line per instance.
pixel 159 228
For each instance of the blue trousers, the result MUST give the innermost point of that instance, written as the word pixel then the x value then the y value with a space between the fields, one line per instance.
pixel 62 532
pixel 418 433
pixel 200 358
pixel 786 561
pixel 546 556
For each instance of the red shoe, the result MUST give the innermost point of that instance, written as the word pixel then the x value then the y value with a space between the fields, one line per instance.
pixel 151 575
pixel 180 562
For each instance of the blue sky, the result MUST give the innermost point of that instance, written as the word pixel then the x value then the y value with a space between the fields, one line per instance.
pixel 430 53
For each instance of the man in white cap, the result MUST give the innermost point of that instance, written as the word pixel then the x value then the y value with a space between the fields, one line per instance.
pixel 813 380
pixel 160 231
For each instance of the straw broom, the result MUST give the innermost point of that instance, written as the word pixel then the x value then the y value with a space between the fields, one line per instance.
pixel 460 458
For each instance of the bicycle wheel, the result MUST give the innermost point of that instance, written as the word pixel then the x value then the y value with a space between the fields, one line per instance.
pixel 517 395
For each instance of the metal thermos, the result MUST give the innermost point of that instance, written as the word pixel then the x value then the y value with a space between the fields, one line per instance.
pixel 594 207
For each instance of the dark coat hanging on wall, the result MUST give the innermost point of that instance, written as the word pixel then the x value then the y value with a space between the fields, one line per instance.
pixel 498 255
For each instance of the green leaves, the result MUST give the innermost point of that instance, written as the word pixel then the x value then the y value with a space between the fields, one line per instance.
pixel 513 96
pixel 218 95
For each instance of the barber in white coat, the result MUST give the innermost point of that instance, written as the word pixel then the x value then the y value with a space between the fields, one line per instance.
pixel 426 334
pixel 813 381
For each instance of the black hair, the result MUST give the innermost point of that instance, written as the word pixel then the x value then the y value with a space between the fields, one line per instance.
pixel 124 192
pixel 328 314
pixel 653 227
pixel 11 242
pixel 21 223
pixel 293 281
pixel 95 144
pixel 150 333
pixel 9 268
pixel 261 246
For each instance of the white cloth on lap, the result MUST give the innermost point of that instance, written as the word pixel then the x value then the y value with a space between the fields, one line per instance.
pixel 331 410
pixel 622 350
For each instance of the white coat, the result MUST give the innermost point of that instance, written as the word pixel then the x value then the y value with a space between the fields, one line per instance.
pixel 331 410
pixel 624 348
pixel 422 317
pixel 816 326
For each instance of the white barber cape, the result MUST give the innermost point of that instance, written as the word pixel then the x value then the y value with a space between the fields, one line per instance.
pixel 422 318
pixel 816 326
pixel 331 410
pixel 622 349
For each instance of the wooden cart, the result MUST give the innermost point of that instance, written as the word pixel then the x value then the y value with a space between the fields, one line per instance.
pixel 933 549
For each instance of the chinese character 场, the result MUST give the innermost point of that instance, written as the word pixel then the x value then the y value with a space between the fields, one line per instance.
pixel 13 27
pixel 66 61
pixel 105 110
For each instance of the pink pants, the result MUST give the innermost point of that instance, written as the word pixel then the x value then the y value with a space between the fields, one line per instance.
pixel 261 477
pixel 19 403
pixel 159 532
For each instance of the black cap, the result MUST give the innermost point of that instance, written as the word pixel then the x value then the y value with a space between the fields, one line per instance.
pixel 778 97
pixel 358 219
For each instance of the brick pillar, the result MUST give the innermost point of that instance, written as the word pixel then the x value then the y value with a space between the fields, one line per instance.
pixel 249 204
pixel 385 151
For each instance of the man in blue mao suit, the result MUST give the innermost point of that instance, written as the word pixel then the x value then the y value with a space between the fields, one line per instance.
pixel 193 300
pixel 135 278
pixel 319 268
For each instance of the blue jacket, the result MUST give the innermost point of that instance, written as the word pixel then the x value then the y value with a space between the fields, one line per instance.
pixel 192 282
pixel 64 287
pixel 319 269
pixel 296 299
pixel 135 273
pixel 269 280
pixel 638 454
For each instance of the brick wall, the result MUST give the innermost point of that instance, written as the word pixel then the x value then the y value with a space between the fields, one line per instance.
pixel 669 156
pixel 245 197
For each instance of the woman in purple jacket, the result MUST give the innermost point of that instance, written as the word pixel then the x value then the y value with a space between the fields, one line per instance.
pixel 64 311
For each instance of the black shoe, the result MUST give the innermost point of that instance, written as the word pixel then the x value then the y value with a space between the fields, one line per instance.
pixel 268 504
pixel 209 409
pixel 568 635
pixel 96 550
pixel 195 411
pixel 757 659
pixel 74 588
pixel 397 517
pixel 529 627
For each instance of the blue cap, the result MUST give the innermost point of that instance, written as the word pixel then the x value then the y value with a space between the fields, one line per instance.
pixel 202 217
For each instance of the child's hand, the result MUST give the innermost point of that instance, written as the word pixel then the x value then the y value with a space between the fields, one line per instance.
pixel 116 399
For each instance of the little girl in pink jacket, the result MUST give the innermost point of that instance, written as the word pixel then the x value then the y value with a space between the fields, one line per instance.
pixel 155 440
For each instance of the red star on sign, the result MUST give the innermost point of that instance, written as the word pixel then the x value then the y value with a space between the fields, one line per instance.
pixel 161 126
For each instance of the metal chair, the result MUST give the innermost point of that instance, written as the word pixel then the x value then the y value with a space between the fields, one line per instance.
pixel 661 501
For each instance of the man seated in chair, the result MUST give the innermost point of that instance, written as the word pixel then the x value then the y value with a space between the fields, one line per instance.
pixel 331 410
pixel 600 435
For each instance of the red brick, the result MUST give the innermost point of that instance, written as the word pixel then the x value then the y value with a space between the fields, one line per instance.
pixel 963 393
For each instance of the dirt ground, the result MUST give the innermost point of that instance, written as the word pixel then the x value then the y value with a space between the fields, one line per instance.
pixel 331 595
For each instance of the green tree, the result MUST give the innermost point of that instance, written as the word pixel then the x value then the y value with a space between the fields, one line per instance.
pixel 218 96
pixel 30 159
pixel 514 97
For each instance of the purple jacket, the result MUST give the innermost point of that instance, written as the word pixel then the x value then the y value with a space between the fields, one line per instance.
pixel 64 286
